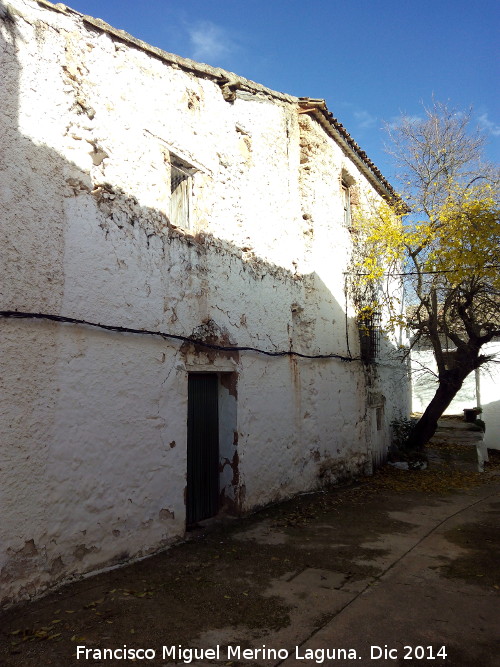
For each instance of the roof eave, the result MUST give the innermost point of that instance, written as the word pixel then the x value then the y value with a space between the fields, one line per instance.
pixel 319 109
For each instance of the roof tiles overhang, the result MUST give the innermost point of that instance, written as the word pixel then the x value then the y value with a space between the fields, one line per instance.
pixel 318 109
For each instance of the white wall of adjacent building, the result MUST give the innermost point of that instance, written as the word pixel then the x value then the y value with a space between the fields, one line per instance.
pixel 480 389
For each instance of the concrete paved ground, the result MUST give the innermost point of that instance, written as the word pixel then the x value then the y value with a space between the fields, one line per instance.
pixel 347 577
pixel 412 603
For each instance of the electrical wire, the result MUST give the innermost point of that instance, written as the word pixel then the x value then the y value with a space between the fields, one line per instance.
pixel 423 273
pixel 162 334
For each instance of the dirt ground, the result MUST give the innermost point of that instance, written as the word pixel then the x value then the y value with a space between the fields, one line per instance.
pixel 277 576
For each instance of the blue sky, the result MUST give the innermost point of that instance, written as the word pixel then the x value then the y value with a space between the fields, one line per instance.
pixel 369 59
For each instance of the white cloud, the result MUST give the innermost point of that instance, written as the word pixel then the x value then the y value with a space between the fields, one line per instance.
pixel 488 126
pixel 209 42
pixel 365 120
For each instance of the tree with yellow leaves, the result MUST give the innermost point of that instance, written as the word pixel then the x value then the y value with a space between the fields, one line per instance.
pixel 443 244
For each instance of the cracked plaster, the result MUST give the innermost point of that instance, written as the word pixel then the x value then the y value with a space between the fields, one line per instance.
pixel 90 476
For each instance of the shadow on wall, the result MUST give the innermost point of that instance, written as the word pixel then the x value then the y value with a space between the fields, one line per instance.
pixel 39 189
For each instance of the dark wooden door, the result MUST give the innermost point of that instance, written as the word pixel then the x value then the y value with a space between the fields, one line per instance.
pixel 202 499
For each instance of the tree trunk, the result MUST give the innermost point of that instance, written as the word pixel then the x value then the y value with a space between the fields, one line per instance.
pixel 427 424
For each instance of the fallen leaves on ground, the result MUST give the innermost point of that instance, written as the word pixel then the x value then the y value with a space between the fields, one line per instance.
pixel 43 633
pixel 436 481
pixel 441 476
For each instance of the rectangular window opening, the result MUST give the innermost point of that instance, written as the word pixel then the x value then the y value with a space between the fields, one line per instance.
pixel 369 336
pixel 346 201
pixel 180 191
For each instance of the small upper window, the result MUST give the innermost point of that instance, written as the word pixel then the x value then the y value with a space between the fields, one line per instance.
pixel 346 202
pixel 180 190
pixel 369 335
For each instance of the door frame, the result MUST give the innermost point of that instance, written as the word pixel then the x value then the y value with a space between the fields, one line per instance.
pixel 202 477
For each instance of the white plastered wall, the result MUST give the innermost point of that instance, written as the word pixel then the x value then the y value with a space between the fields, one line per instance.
pixel 93 458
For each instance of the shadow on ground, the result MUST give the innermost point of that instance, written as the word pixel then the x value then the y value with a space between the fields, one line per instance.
pixel 275 577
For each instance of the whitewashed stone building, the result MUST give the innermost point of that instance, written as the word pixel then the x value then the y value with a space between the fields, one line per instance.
pixel 150 194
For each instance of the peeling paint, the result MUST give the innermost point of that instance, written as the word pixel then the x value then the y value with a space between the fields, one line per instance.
pixel 210 332
pixel 56 567
pixel 230 382
pixel 82 550
pixel 233 503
